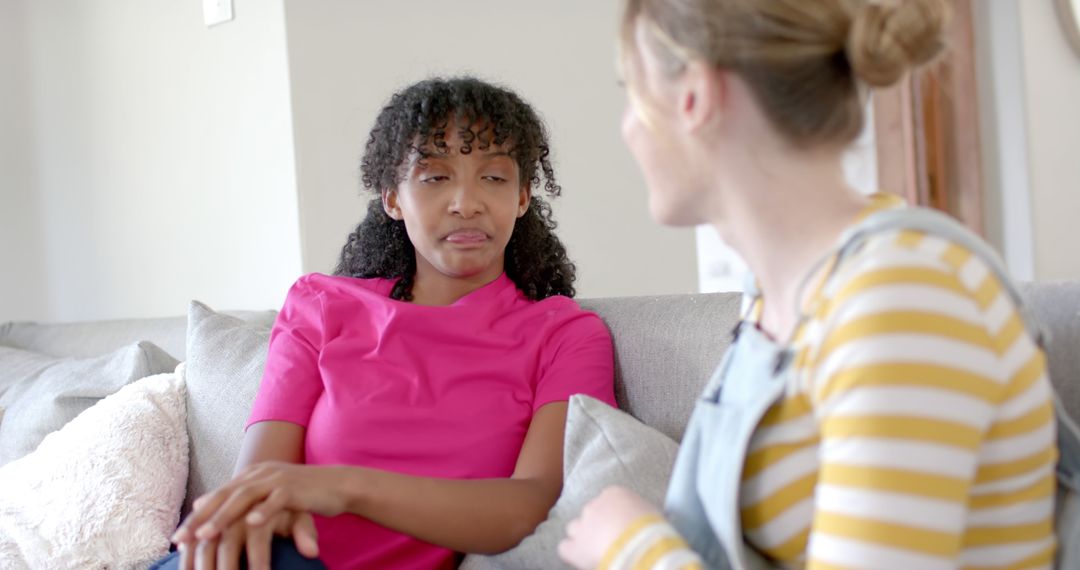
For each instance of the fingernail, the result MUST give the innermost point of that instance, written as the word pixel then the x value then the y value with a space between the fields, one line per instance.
pixel 178 536
pixel 254 518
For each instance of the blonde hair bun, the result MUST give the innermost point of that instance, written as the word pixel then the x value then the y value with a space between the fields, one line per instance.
pixel 889 39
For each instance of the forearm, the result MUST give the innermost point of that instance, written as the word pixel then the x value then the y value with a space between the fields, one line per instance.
pixel 482 515
pixel 271 441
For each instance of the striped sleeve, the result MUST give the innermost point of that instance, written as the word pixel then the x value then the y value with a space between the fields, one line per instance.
pixel 650 543
pixel 934 415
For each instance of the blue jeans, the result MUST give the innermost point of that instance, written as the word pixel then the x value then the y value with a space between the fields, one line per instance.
pixel 283 556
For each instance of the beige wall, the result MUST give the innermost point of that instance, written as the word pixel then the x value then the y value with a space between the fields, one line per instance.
pixel 22 279
pixel 1004 134
pixel 347 57
pixel 146 160
pixel 163 157
pixel 1052 90
pixel 1030 112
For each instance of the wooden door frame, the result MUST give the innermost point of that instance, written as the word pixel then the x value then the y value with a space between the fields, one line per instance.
pixel 927 130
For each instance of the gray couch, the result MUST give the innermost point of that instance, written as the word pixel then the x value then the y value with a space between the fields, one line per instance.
pixel 665 349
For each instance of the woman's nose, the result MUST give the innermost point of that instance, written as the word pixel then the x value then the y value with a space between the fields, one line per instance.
pixel 467 200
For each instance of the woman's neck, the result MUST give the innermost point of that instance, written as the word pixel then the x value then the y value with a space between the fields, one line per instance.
pixel 433 288
pixel 783 213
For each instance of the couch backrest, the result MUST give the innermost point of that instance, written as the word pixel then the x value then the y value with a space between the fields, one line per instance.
pixel 667 347
pixel 86 339
pixel 665 350
pixel 1057 307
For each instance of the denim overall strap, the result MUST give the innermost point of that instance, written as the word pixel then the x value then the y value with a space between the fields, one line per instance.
pixel 683 504
pixel 703 496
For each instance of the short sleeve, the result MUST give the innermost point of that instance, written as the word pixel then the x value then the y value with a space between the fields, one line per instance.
pixel 921 444
pixel 577 359
pixel 291 382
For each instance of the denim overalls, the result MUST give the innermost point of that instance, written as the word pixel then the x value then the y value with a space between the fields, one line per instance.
pixel 703 496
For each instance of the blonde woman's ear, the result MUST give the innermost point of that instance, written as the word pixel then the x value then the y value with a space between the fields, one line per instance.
pixel 701 95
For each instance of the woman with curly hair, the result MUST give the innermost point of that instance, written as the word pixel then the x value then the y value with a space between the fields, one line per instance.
pixel 413 404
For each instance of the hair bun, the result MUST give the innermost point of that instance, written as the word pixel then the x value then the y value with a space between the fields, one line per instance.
pixel 888 40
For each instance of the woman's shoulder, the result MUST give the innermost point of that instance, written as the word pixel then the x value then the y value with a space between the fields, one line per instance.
pixel 333 286
pixel 918 261
pixel 917 285
pixel 557 303
pixel 566 316
pixel 560 305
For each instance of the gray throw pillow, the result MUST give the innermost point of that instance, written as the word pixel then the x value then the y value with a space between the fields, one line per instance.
pixel 39 394
pixel 603 447
pixel 225 359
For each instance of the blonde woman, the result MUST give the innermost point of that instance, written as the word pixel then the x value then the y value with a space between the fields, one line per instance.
pixel 885 403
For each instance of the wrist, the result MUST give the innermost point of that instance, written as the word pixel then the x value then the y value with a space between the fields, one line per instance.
pixel 626 536
pixel 354 488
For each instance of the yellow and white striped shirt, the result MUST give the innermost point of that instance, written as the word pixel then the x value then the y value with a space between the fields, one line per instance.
pixel 920 430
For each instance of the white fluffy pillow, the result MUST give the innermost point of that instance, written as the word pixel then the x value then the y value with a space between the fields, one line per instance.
pixel 104 491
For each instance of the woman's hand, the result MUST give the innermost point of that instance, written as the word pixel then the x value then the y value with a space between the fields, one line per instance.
pixel 223 551
pixel 602 522
pixel 261 492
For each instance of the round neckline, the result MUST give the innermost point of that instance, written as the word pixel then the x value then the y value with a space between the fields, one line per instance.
pixel 481 295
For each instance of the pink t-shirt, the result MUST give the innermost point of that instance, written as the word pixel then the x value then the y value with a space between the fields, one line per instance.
pixel 430 391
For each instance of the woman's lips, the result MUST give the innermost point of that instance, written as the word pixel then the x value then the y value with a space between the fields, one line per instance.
pixel 466 237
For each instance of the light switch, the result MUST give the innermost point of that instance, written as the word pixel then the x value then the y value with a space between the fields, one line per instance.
pixel 217 11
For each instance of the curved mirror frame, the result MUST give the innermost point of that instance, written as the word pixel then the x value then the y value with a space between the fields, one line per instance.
pixel 1069 10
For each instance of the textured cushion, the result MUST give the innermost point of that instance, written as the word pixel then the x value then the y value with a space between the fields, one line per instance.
pixel 105 491
pixel 603 447
pixel 98 337
pixel 666 348
pixel 39 393
pixel 1057 307
pixel 225 364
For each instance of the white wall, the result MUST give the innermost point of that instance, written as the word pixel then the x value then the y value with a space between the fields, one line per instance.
pixel 720 268
pixel 346 58
pixel 22 279
pixel 1052 85
pixel 146 160
pixel 163 156
pixel 1003 121
pixel 1030 113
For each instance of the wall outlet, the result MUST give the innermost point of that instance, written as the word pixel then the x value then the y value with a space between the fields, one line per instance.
pixel 217 11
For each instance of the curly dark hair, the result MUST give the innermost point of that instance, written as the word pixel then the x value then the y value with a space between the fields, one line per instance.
pixel 415 123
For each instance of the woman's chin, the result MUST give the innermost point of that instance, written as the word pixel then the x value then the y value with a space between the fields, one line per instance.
pixel 468 271
pixel 670 214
